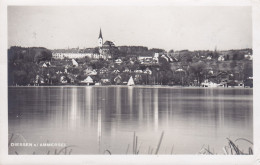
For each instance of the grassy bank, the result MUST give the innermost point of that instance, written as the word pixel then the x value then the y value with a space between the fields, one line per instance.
pixel 231 148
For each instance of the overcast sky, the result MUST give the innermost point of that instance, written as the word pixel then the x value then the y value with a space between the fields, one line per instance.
pixel 167 27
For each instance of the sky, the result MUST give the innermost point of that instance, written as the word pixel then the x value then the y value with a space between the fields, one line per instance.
pixel 166 27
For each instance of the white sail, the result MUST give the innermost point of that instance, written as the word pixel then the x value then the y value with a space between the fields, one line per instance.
pixel 131 81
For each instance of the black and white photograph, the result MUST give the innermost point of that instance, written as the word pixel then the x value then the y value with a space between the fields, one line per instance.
pixel 130 80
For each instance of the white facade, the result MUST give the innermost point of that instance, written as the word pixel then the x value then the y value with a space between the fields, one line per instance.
pixel 221 58
pixel 207 83
pixel 249 56
pixel 100 42
pixel 71 55
pixel 76 55
pixel 118 61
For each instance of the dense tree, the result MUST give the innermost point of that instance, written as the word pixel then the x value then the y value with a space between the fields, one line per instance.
pixel 233 64
pixel 99 64
pixel 96 50
pixel 24 64
pixel 196 70
pixel 156 50
pixel 42 55
pixel 248 70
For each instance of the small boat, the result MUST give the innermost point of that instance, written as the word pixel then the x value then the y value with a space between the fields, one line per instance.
pixel 131 81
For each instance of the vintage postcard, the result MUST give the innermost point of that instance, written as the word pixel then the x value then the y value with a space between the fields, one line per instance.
pixel 152 82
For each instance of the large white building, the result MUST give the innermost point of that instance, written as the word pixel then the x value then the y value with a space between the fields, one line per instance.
pixel 75 53
pixel 71 55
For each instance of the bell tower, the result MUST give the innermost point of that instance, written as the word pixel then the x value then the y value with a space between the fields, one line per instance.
pixel 100 39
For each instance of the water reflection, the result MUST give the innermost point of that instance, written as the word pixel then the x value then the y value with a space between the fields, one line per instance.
pixel 99 118
pixel 155 108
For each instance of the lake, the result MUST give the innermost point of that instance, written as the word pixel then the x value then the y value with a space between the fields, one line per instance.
pixel 99 120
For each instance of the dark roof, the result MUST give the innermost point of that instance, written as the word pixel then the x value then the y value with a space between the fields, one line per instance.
pixel 108 44
pixel 100 34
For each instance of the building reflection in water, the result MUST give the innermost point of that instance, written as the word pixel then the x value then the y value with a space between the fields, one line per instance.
pixel 88 105
pixel 98 118
pixel 140 100
pixel 74 109
pixel 130 98
pixel 155 108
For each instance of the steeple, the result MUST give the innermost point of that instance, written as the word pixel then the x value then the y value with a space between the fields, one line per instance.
pixel 100 39
pixel 100 34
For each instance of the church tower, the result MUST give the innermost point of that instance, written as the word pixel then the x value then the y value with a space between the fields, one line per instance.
pixel 100 39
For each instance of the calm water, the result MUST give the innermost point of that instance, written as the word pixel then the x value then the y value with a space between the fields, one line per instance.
pixel 95 119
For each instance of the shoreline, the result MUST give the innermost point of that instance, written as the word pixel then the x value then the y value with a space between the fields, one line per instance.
pixel 135 86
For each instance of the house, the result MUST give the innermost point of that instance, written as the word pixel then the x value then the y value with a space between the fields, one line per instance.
pixel 93 72
pixel 156 58
pixel 221 58
pixel 116 71
pixel 105 81
pixel 239 83
pixel 118 79
pixel 127 70
pixel 211 72
pixel 248 56
pixel 44 65
pixel 148 71
pixel 248 82
pixel 132 62
pixel 145 59
pixel 138 71
pixel 63 80
pixel 89 71
pixel 72 78
pixel 74 63
pixel 106 49
pixel 208 83
pixel 156 55
pixel 103 70
pixel 58 54
pixel 38 80
pixel 163 56
pixel 118 61
pixel 179 70
pixel 167 58
pixel 88 80
pixel 223 84
pixel 137 78
pixel 58 72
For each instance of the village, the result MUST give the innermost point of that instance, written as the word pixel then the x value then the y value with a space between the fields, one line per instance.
pixel 108 64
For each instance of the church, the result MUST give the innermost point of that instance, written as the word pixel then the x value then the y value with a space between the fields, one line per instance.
pixel 106 49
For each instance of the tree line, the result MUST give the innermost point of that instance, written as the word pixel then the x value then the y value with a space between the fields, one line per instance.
pixel 188 68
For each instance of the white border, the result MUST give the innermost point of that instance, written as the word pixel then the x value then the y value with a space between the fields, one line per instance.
pixel 6 159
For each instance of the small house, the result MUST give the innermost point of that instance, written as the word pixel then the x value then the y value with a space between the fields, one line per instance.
pixel 148 71
pixel 103 70
pixel 118 61
pixel 118 79
pixel 127 70
pixel 74 63
pixel 88 81
pixel 221 58
pixel 116 71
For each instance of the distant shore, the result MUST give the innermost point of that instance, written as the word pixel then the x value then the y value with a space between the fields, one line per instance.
pixel 137 86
